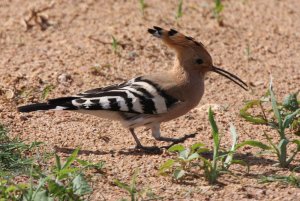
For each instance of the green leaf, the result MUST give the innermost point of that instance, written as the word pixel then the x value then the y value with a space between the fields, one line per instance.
pixel 83 162
pixel 248 117
pixel 80 185
pixel 55 188
pixel 290 102
pixel 47 90
pixel 215 133
pixel 41 183
pixel 133 181
pixel 196 146
pixel 282 143
pixel 291 179
pixel 114 44
pixel 88 164
pixel 142 6
pixel 122 185
pixel 166 166
pixel 184 154
pixel 218 6
pixel 253 143
pixel 58 164
pixel 282 147
pixel 276 110
pixel 179 173
pixel 71 159
pixel 289 118
pixel 234 136
pixel 193 156
pixel 213 123
pixel 10 188
pixel 179 13
pixel 42 196
pixel 64 173
pixel 202 150
pixel 35 144
pixel 176 148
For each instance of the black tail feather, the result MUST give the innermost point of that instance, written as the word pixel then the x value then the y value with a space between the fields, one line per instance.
pixel 64 103
pixel 36 107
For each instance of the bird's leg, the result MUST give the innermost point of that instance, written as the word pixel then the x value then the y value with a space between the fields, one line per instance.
pixel 156 134
pixel 137 141
pixel 139 144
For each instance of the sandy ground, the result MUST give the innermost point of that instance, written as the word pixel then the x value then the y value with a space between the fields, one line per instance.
pixel 77 36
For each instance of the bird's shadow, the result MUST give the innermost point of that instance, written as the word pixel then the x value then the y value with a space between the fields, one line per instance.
pixel 131 151
pixel 249 158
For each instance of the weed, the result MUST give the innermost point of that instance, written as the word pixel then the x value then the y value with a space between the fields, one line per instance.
pixel 218 8
pixel 133 191
pixel 63 181
pixel 221 161
pixel 143 6
pixel 248 52
pixel 284 115
pixel 189 158
pixel 182 165
pixel 47 90
pixel 179 12
pixel 291 179
pixel 11 191
pixel 114 44
pixel 12 157
pixel 130 188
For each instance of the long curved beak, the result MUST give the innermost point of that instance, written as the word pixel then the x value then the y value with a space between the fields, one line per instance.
pixel 231 76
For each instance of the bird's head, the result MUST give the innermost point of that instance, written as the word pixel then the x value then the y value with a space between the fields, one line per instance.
pixel 191 54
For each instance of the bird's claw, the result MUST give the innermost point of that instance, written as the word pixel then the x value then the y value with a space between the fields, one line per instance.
pixel 153 149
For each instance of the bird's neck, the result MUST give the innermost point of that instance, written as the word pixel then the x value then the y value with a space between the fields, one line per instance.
pixel 185 74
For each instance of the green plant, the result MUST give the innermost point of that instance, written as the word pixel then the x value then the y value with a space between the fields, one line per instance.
pixel 47 89
pixel 291 179
pixel 11 191
pixel 189 158
pixel 283 116
pixel 143 6
pixel 248 52
pixel 218 8
pixel 130 188
pixel 221 161
pixel 134 192
pixel 63 181
pixel 12 154
pixel 179 12
pixel 182 165
pixel 114 44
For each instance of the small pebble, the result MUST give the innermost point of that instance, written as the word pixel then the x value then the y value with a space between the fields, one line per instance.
pixel 64 78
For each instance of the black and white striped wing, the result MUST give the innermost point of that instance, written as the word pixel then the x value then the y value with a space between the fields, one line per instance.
pixel 138 95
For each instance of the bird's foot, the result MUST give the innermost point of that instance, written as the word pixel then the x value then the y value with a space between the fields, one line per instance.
pixel 153 149
pixel 176 140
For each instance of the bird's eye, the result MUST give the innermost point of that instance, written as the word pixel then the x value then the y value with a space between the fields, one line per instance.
pixel 199 61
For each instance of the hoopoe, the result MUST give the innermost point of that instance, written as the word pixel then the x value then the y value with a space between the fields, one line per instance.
pixel 151 99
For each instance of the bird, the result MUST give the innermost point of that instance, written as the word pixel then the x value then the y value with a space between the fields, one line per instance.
pixel 152 99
